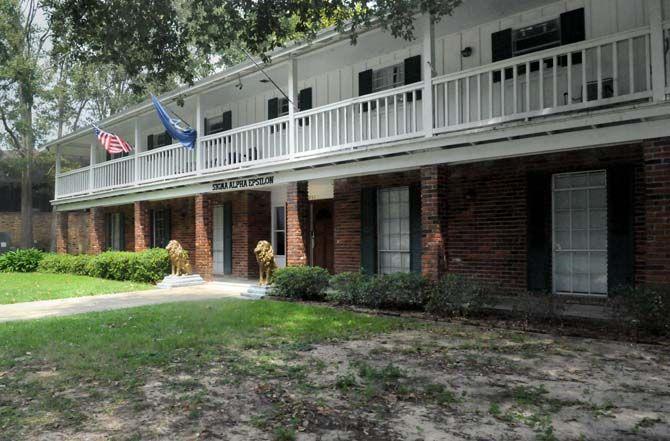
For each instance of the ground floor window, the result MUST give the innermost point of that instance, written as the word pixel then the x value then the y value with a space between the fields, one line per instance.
pixel 114 232
pixel 580 232
pixel 393 224
pixel 160 228
pixel 279 233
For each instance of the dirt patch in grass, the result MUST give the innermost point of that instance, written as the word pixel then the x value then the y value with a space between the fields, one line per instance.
pixel 453 382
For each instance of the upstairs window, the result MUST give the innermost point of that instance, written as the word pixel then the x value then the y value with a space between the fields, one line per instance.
pixel 219 123
pixel 388 77
pixel 158 140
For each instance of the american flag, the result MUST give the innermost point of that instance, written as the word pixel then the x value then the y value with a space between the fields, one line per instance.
pixel 111 142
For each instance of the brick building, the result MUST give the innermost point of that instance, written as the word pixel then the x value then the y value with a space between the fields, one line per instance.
pixel 539 159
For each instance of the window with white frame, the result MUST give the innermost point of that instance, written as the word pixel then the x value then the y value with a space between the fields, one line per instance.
pixel 393 230
pixel 388 77
pixel 580 232
pixel 279 234
pixel 283 106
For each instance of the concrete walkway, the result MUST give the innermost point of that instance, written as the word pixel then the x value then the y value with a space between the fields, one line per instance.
pixel 105 302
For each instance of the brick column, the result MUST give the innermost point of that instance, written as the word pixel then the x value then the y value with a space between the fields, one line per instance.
pixel 203 237
pixel 656 267
pixel 434 221
pixel 61 232
pixel 347 225
pixel 297 223
pixel 96 231
pixel 142 226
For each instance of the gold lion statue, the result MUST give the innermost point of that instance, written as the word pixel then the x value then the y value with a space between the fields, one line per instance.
pixel 178 259
pixel 266 261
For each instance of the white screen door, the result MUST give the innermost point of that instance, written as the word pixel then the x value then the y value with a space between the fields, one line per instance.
pixel 218 248
pixel 580 232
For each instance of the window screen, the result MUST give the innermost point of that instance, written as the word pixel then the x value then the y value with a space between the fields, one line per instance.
pixel 393 230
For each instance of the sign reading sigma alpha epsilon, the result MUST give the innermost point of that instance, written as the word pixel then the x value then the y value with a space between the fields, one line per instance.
pixel 240 184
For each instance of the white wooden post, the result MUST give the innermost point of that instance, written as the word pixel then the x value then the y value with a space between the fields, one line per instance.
pixel 657 50
pixel 293 106
pixel 428 59
pixel 200 128
pixel 91 182
pixel 58 169
pixel 138 137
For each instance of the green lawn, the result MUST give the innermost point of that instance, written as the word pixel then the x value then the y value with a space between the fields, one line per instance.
pixel 108 357
pixel 27 287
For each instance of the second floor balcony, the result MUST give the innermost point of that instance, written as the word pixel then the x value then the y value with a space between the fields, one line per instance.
pixel 619 69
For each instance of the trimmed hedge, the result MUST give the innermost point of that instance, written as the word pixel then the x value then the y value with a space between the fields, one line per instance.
pixel 458 295
pixel 393 291
pixel 301 282
pixel 21 261
pixel 644 307
pixel 144 267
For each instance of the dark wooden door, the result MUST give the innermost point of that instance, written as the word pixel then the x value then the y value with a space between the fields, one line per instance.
pixel 322 234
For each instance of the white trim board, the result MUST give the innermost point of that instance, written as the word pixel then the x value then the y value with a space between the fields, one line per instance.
pixel 602 137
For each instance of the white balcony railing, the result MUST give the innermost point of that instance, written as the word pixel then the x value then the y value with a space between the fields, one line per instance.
pixel 169 162
pixel 593 73
pixel 73 182
pixel 380 117
pixel 262 142
pixel 587 74
pixel 113 174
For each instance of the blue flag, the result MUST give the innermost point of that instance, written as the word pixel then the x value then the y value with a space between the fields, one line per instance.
pixel 186 136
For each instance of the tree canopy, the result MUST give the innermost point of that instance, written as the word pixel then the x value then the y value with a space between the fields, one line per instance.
pixel 155 40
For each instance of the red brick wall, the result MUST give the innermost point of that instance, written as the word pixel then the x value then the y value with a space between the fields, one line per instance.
pixel 433 215
pixel 141 226
pixel 251 223
pixel 203 237
pixel 96 230
pixel 182 222
pixel 10 222
pixel 487 210
pixel 77 232
pixel 656 238
pixel 61 232
pixel 297 223
pixel 347 217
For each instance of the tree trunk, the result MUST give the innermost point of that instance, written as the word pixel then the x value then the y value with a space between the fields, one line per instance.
pixel 26 100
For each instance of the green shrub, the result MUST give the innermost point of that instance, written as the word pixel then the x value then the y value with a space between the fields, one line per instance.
pixel 144 267
pixel 645 307
pixel 393 291
pixel 458 295
pixel 21 261
pixel 65 264
pixel 301 282
pixel 150 266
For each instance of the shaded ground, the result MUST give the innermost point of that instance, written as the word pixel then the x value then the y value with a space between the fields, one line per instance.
pixel 28 287
pixel 268 370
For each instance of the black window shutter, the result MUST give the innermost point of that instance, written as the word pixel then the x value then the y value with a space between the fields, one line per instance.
pixel 412 66
pixel 228 238
pixel 369 230
pixel 152 223
pixel 167 214
pixel 305 99
pixel 412 69
pixel 208 130
pixel 573 27
pixel 539 239
pixel 122 232
pixel 150 142
pixel 415 231
pixel 227 120
pixel 501 45
pixel 273 108
pixel 620 220
pixel 365 82
pixel 108 231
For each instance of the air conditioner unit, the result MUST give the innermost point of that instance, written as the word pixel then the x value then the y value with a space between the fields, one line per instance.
pixel 536 37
